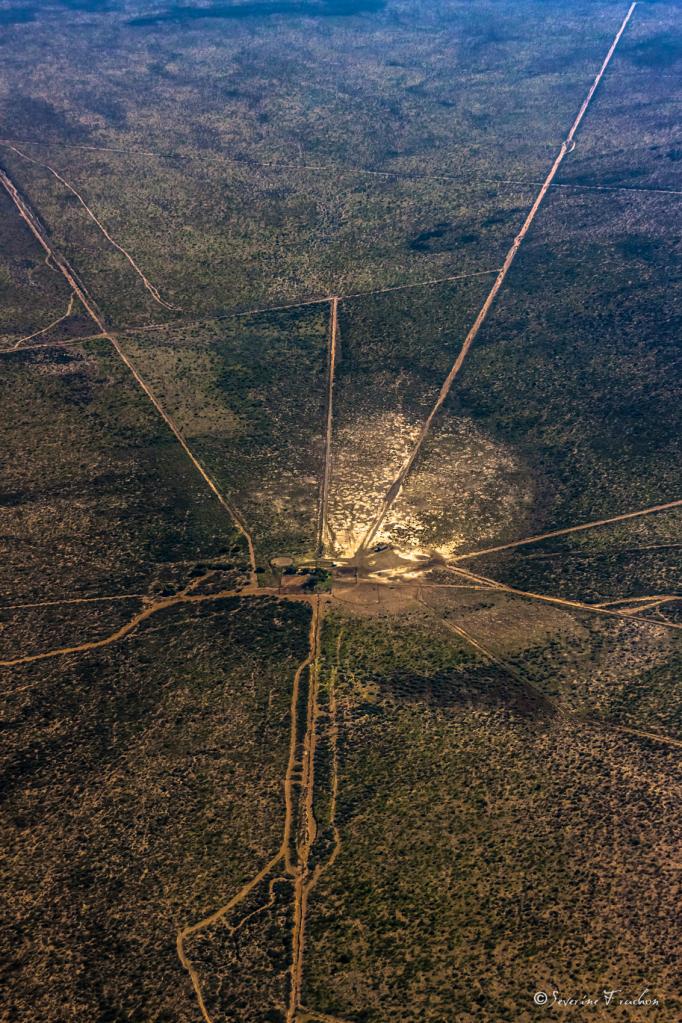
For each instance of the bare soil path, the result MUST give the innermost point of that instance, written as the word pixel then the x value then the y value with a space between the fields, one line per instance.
pixel 310 1016
pixel 153 291
pixel 566 147
pixel 564 532
pixel 73 600
pixel 299 304
pixel 323 536
pixel 43 330
pixel 66 343
pixel 150 608
pixel 41 236
pixel 70 145
pixel 559 601
pixel 297 835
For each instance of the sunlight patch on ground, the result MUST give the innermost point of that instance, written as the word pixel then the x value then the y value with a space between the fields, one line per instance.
pixel 367 456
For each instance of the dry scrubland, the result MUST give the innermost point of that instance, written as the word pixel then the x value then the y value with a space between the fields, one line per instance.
pixel 249 396
pixel 572 385
pixel 490 847
pixel 600 667
pixel 262 195
pixel 33 295
pixel 98 498
pixel 626 561
pixel 475 796
pixel 122 768
pixel 214 235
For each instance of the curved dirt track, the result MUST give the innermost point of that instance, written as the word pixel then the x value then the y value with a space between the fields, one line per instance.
pixel 296 866
pixel 29 337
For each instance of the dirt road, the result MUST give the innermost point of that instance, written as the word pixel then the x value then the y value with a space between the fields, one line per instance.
pixel 41 236
pixel 153 291
pixel 323 537
pixel 564 532
pixel 566 147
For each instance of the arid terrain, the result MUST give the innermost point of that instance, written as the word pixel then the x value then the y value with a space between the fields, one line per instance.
pixel 341 511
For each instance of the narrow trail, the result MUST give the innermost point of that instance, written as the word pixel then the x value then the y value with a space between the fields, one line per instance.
pixel 303 304
pixel 153 291
pixel 187 932
pixel 272 898
pixel 218 317
pixel 293 867
pixel 151 607
pixel 293 767
pixel 334 746
pixel 174 428
pixel 307 828
pixel 324 537
pixel 493 584
pixel 519 677
pixel 654 736
pixel 488 655
pixel 74 600
pixel 369 171
pixel 308 880
pixel 41 236
pixel 650 600
pixel 652 605
pixel 564 532
pixel 184 597
pixel 310 1016
pixel 431 282
pixel 566 146
pixel 587 556
pixel 434 176
pixel 66 343
pixel 251 312
pixel 618 188
pixel 90 149
pixel 44 330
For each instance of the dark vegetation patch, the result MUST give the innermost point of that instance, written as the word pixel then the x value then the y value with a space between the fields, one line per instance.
pixel 398 664
pixel 23 113
pixel 573 368
pixel 248 394
pixel 106 105
pixel 443 237
pixel 660 51
pixel 17 15
pixel 180 13
pixel 23 13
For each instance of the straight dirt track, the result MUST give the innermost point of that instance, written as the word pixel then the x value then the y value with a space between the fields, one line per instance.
pixel 566 147
pixel 296 866
pixel 565 532
pixel 323 528
pixel 40 234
